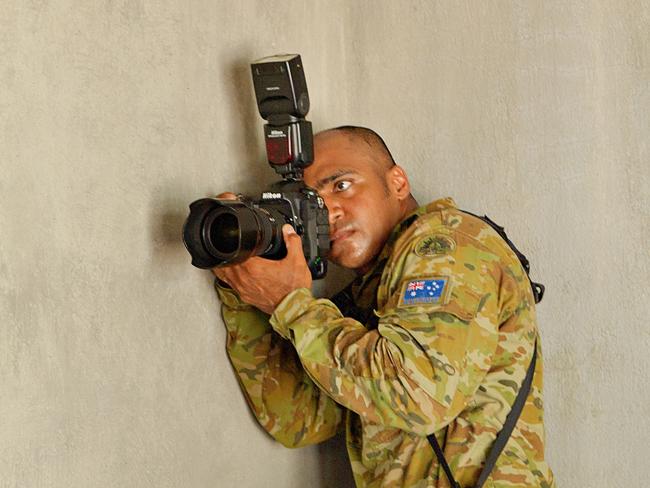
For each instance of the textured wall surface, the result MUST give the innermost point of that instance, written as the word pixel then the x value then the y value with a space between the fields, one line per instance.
pixel 114 115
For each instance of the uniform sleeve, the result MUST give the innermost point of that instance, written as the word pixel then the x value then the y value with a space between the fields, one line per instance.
pixel 422 364
pixel 286 402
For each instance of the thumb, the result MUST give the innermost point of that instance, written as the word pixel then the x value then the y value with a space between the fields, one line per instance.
pixel 291 240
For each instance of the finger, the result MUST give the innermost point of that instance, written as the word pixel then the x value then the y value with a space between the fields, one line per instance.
pixel 220 273
pixel 292 241
pixel 252 263
pixel 227 196
pixel 229 272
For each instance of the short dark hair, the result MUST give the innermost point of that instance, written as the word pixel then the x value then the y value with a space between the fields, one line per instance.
pixel 371 138
pixel 376 145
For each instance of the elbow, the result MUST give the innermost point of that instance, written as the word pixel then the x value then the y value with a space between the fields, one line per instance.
pixel 291 442
pixel 303 437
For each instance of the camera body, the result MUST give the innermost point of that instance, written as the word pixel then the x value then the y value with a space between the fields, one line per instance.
pixel 222 232
pixel 305 210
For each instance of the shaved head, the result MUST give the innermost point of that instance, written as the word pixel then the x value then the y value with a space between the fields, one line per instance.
pixel 370 140
pixel 365 192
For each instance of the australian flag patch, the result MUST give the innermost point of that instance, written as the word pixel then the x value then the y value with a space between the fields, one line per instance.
pixel 424 291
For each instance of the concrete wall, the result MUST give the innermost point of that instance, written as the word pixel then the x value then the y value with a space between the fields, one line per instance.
pixel 114 115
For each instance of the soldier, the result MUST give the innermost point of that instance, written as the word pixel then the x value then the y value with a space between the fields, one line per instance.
pixel 435 336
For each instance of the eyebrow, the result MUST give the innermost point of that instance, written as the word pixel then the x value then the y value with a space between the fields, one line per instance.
pixel 328 179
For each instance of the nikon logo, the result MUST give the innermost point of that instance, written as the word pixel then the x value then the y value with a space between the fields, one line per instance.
pixel 272 88
pixel 268 195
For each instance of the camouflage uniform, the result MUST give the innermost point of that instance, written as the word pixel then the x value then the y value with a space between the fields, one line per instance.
pixel 448 361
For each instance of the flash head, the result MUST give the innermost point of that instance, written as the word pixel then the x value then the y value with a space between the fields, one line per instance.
pixel 282 99
pixel 280 86
pixel 223 232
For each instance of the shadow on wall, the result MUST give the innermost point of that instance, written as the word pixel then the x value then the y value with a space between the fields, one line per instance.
pixel 169 259
pixel 246 132
pixel 334 465
pixel 249 174
pixel 170 202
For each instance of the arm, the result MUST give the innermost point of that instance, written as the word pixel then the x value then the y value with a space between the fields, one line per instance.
pixel 421 366
pixel 288 405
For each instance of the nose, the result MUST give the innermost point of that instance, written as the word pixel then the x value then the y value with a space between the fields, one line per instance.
pixel 335 210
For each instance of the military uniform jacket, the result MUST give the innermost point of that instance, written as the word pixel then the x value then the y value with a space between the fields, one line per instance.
pixel 453 336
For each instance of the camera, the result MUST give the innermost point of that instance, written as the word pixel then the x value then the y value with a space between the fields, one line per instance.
pixel 222 232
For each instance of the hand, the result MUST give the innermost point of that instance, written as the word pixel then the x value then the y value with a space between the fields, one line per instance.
pixel 264 283
pixel 226 196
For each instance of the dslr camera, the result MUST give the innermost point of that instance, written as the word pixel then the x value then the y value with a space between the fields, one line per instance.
pixel 222 232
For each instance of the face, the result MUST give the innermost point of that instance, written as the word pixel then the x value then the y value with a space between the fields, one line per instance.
pixel 364 202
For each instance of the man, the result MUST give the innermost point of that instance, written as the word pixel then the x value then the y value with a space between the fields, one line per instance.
pixel 444 349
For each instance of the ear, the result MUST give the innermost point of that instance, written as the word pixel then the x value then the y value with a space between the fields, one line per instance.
pixel 398 182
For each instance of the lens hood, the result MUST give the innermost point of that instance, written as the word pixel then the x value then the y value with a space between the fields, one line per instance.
pixel 219 232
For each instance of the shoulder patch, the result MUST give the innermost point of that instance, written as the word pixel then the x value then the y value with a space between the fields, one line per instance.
pixel 424 291
pixel 434 245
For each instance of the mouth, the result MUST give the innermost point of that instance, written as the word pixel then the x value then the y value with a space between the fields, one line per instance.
pixel 340 235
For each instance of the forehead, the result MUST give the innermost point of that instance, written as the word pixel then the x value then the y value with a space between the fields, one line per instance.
pixel 336 153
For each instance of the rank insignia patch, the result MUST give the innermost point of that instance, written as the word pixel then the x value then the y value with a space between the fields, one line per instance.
pixel 423 291
pixel 434 245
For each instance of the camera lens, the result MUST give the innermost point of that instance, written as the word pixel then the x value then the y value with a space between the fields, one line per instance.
pixel 226 232
pixel 221 231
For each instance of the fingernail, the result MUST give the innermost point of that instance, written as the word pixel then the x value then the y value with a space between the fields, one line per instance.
pixel 289 229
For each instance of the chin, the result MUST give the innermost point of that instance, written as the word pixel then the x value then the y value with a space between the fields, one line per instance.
pixel 348 258
pixel 346 263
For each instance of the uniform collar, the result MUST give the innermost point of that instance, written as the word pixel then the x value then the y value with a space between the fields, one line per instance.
pixel 440 204
pixel 436 205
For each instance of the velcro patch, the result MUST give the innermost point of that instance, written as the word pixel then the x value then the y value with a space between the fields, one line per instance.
pixel 430 290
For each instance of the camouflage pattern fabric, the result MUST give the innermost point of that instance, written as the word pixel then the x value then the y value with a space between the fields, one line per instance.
pixel 451 347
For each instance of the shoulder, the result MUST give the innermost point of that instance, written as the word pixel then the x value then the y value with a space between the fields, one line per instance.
pixel 452 220
pixel 464 253
pixel 447 232
pixel 444 230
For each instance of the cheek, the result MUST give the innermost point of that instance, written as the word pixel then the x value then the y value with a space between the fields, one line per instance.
pixel 370 219
pixel 364 241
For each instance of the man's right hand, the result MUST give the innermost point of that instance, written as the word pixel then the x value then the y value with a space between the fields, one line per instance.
pixel 249 278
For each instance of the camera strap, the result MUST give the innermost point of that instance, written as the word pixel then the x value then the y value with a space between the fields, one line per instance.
pixel 503 435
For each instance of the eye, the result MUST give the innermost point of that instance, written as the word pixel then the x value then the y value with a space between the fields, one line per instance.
pixel 342 185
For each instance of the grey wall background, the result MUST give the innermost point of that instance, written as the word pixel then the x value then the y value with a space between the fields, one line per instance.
pixel 114 115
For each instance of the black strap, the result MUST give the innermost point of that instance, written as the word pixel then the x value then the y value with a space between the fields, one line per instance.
pixel 511 421
pixel 502 436
pixel 441 459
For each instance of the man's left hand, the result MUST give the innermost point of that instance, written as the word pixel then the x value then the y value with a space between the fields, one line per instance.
pixel 264 283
